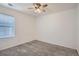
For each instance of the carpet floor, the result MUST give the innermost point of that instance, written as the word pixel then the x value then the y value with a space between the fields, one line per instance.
pixel 38 48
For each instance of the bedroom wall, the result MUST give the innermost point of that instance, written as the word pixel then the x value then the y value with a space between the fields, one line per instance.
pixel 25 28
pixel 78 28
pixel 58 28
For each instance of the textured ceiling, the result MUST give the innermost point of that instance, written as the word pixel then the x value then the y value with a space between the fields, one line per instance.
pixel 51 8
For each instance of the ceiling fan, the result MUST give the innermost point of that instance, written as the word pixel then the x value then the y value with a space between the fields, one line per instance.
pixel 38 7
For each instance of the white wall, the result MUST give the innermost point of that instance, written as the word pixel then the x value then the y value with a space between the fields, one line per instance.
pixel 58 28
pixel 78 28
pixel 25 29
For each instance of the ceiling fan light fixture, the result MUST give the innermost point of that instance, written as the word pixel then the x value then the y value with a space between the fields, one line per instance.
pixel 38 7
pixel 37 11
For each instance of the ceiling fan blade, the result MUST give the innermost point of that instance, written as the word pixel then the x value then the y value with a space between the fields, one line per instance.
pixel 30 8
pixel 45 5
pixel 37 5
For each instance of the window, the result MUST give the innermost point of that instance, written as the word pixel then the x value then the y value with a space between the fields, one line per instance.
pixel 7 26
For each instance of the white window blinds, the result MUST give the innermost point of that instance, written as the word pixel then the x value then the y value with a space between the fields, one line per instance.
pixel 7 26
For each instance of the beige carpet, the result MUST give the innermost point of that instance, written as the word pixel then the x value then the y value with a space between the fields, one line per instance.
pixel 38 48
